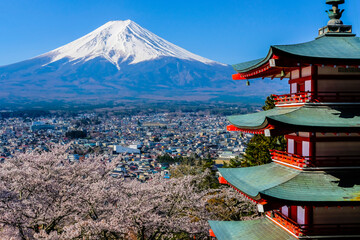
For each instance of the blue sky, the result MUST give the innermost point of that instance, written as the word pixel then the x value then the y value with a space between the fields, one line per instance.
pixel 229 31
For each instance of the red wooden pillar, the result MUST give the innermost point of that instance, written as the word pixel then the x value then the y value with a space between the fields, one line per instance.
pixel 308 215
pixel 312 149
pixel 298 147
pixel 293 213
pixel 314 81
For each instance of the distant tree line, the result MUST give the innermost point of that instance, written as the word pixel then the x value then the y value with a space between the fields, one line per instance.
pixel 25 114
pixel 75 134
pixel 166 158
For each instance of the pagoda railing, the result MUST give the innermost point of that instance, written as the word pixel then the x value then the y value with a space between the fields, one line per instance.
pixel 292 98
pixel 314 161
pixel 305 97
pixel 286 222
pixel 289 158
pixel 314 229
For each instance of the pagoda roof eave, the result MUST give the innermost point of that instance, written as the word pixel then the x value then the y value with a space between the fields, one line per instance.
pixel 258 120
pixel 283 183
pixel 253 64
pixel 314 117
pixel 333 50
pixel 249 230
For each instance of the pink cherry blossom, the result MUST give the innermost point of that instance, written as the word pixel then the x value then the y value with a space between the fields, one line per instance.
pixel 44 196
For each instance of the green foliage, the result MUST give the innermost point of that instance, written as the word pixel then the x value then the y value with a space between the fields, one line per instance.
pixel 210 181
pixel 194 166
pixel 257 151
pixel 233 163
pixel 166 158
pixel 25 114
pixel 76 134
pixel 269 103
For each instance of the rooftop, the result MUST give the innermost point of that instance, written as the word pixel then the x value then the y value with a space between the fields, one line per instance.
pixel 276 181
pixel 249 230
pixel 335 45
pixel 310 117
pixel 325 50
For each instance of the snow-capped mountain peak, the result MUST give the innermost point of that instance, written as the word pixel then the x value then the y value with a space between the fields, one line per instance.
pixel 88 70
pixel 121 41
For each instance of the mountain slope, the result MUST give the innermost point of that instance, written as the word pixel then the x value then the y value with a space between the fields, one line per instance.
pixel 121 41
pixel 118 60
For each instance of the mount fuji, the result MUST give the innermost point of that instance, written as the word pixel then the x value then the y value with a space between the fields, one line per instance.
pixel 119 60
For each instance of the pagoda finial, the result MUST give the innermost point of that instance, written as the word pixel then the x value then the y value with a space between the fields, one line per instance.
pixel 335 13
pixel 335 26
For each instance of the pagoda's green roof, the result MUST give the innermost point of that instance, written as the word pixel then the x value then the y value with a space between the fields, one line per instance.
pixel 258 120
pixel 250 64
pixel 285 183
pixel 262 229
pixel 324 50
pixel 323 118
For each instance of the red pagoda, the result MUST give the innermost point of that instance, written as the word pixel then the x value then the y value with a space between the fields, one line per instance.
pixel 311 190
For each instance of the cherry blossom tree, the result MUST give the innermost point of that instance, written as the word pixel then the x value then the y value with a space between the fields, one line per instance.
pixel 44 196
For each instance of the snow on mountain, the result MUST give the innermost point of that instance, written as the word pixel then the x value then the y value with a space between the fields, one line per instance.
pixel 121 41
pixel 121 60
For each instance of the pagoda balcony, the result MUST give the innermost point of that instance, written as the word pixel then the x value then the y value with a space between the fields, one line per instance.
pixel 303 162
pixel 313 97
pixel 292 98
pixel 289 159
pixel 285 222
pixel 302 230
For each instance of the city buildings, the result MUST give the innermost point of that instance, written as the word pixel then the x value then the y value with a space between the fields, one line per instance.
pixel 135 141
